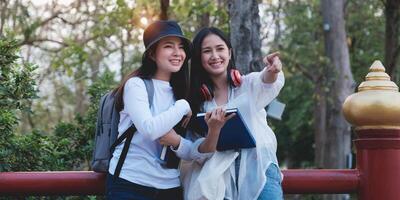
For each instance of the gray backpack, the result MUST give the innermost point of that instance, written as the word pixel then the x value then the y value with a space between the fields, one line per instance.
pixel 106 138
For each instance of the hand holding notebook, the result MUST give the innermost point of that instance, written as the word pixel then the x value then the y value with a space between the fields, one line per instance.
pixel 217 118
pixel 234 134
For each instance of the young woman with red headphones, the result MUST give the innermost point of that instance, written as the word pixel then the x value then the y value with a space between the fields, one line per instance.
pixel 215 86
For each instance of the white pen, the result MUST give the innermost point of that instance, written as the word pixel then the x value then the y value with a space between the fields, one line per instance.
pixel 163 153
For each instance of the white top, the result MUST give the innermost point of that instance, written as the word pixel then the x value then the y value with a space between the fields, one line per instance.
pixel 216 178
pixel 142 164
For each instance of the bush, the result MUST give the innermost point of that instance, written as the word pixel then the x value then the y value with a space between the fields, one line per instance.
pixel 68 147
pixel 17 88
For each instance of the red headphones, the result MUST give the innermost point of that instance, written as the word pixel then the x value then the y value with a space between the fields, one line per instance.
pixel 234 78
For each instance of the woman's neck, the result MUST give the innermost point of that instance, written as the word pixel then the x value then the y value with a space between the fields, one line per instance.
pixel 220 82
pixel 162 75
pixel 220 89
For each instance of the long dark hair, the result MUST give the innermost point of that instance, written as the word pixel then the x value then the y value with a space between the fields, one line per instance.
pixel 179 80
pixel 198 74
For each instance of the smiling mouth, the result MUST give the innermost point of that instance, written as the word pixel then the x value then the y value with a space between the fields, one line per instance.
pixel 216 64
pixel 176 61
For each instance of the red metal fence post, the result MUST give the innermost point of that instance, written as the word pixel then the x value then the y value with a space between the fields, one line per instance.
pixel 375 113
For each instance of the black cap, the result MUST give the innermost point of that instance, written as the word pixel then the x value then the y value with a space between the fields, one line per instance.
pixel 163 28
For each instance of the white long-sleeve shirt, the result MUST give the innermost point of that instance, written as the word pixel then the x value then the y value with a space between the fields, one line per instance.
pixel 216 178
pixel 142 164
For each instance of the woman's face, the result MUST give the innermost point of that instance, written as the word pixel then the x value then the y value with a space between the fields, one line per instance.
pixel 215 55
pixel 169 55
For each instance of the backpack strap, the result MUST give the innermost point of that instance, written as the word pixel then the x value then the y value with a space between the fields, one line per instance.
pixel 150 90
pixel 100 112
pixel 128 134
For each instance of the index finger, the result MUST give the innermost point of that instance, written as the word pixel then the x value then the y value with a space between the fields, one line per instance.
pixel 230 116
pixel 207 116
pixel 272 55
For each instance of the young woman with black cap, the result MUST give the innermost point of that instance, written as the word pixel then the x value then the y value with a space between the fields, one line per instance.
pixel 165 62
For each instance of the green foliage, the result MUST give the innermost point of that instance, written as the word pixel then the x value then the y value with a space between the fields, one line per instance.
pixel 7 120
pixel 74 141
pixel 295 133
pixel 30 152
pixel 69 147
pixel 17 83
pixel 105 83
pixel 76 57
pixel 366 35
pixel 189 14
pixel 301 46
pixel 17 87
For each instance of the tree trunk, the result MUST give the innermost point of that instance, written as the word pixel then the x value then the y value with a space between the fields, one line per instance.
pixel 164 5
pixel 205 20
pixel 245 35
pixel 340 82
pixel 320 123
pixel 81 102
pixel 3 8
pixel 392 34
pixel 94 64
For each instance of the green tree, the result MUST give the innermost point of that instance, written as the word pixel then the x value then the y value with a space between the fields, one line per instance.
pixel 71 144
pixel 17 86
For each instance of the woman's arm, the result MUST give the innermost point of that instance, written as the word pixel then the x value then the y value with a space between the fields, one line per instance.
pixel 185 148
pixel 209 144
pixel 215 121
pixel 262 87
pixel 136 104
pixel 171 139
pixel 273 65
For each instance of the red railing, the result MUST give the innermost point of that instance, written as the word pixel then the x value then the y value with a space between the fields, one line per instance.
pixel 92 183
pixel 376 177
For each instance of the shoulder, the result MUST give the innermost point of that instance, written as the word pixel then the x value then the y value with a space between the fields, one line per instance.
pixel 250 78
pixel 134 82
pixel 135 85
pixel 251 75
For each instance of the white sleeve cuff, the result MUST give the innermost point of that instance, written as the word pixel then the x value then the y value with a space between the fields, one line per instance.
pixel 184 149
pixel 190 151
pixel 196 155
pixel 278 80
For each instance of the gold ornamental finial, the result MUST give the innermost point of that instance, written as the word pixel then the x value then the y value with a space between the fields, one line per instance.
pixel 377 79
pixel 377 66
pixel 377 102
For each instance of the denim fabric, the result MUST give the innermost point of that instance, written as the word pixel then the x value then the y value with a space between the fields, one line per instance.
pixel 120 189
pixel 273 188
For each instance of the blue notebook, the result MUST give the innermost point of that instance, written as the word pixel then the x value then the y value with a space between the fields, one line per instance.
pixel 234 134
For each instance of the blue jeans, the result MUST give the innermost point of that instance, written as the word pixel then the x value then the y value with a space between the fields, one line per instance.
pixel 121 189
pixel 273 188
